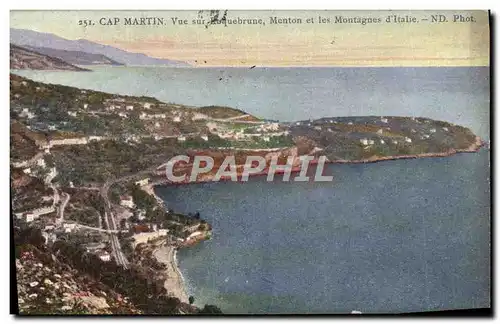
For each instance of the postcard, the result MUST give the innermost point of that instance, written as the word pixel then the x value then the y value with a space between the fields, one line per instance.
pixel 250 162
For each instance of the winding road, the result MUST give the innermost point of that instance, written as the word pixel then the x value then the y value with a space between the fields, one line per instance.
pixel 109 218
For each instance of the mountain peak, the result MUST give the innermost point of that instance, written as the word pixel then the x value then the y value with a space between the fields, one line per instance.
pixel 30 38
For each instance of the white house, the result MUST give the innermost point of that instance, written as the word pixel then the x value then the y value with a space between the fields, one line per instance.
pixel 445 129
pixel 162 232
pixel 40 163
pixel 95 138
pixel 127 201
pixel 371 142
pixel 49 228
pixel 129 107
pixel 384 120
pixel 317 128
pixel 147 105
pixel 122 114
pixel 49 237
pixel 157 124
pixel 181 138
pixel 394 142
pixel 364 141
pixel 69 227
pixel 380 131
pixel 29 217
pixel 85 106
pixel 433 130
pixel 349 123
pixel 141 214
pixel 105 256
pixel 72 113
pixel 177 119
pixel 266 138
pixel 408 140
pixel 27 171
pixel 204 137
pixel 382 141
pixel 142 182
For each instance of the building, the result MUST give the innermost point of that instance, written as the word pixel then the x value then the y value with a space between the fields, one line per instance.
pixel 147 105
pixel 49 237
pixel 445 129
pixel 27 171
pixel 104 256
pixel 181 138
pixel 384 120
pixel 266 138
pixel 408 140
pixel 69 227
pixel 40 163
pixel 127 201
pixel 68 141
pixel 95 138
pixel 433 130
pixel 129 107
pixel 21 164
pixel 364 141
pixel 142 182
pixel 29 217
pixel 72 113
pixel 177 119
pixel 163 232
pixel 122 114
pixel 141 214
pixel 49 228
pixel 94 247
pixel 204 137
pixel 85 106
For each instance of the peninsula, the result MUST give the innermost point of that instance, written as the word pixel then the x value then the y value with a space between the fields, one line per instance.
pixel 84 165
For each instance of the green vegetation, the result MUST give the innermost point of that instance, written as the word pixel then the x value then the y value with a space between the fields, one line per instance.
pixel 220 112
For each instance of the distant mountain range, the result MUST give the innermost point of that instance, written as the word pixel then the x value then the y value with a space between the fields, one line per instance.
pixel 23 58
pixel 75 57
pixel 80 50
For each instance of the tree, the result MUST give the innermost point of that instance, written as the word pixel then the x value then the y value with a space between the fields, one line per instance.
pixel 191 300
pixel 210 309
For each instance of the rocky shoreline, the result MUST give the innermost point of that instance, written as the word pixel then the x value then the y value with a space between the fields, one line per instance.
pixel 166 254
pixel 473 148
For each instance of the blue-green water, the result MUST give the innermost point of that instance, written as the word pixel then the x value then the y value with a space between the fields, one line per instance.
pixel 395 236
pixel 457 95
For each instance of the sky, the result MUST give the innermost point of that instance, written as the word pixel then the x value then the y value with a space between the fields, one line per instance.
pixel 421 43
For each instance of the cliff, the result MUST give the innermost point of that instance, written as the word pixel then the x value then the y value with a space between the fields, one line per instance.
pixel 22 58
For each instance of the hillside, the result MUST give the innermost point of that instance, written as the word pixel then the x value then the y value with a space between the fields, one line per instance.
pixel 30 38
pixel 221 112
pixel 76 57
pixel 22 58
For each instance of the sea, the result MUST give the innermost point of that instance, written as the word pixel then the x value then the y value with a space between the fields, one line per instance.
pixel 388 237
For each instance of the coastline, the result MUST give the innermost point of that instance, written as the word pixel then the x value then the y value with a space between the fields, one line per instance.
pixel 473 148
pixel 167 253
pixel 174 282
